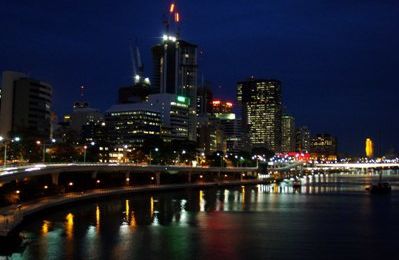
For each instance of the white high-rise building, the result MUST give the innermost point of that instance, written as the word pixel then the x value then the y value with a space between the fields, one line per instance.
pixel 25 106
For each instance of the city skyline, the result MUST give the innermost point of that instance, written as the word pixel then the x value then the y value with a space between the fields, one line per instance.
pixel 320 87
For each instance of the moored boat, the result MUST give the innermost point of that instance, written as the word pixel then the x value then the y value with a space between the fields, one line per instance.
pixel 296 184
pixel 380 187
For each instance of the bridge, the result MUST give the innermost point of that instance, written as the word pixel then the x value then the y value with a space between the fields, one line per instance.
pixel 357 165
pixel 20 172
pixel 287 166
pixel 92 180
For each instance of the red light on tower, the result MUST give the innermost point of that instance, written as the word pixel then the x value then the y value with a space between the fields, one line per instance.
pixel 216 102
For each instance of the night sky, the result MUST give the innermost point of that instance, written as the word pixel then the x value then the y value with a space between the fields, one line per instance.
pixel 338 60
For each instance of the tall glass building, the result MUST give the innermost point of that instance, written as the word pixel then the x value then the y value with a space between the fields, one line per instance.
pixel 175 72
pixel 261 105
pixel 287 133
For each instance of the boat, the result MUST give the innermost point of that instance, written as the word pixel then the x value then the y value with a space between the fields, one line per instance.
pixel 380 187
pixel 296 184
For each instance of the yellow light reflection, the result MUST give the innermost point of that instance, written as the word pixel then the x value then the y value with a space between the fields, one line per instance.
pixel 127 210
pixel 275 188
pixel 69 226
pixel 243 196
pixel 152 206
pixel 133 220
pixel 45 227
pixel 201 201
pixel 98 216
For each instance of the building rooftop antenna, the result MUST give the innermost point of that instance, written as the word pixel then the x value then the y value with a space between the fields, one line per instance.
pixel 82 91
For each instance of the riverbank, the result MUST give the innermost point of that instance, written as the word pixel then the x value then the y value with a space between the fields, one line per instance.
pixel 12 216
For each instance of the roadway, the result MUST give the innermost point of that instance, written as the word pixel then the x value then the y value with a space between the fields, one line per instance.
pixel 357 165
pixel 19 172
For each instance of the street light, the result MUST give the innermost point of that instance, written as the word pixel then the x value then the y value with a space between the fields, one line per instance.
pixel 84 154
pixel 38 142
pixel 236 157
pixel 125 159
pixel 220 159
pixel 5 151
pixel 85 151
pixel 2 139
pixel 156 149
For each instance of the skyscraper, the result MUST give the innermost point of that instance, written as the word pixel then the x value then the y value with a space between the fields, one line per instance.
pixel 260 100
pixel 287 133
pixel 204 100
pixel 83 114
pixel 174 115
pixel 132 124
pixel 175 72
pixel 302 139
pixel 369 148
pixel 323 147
pixel 25 106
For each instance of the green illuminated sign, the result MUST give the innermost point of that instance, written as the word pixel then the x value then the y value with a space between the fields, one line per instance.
pixel 226 116
pixel 184 100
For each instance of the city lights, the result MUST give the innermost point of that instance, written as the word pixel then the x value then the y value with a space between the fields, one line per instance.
pixel 253 130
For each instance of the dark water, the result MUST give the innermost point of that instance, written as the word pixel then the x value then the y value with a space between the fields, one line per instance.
pixel 330 218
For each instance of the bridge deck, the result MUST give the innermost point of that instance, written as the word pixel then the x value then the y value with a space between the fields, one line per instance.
pixel 13 173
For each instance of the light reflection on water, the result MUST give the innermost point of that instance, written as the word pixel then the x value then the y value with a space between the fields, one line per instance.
pixel 248 221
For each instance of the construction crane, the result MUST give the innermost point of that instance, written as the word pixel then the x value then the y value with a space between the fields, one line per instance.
pixel 173 17
pixel 137 64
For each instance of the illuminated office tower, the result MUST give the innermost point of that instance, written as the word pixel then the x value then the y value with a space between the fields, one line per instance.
pixel 132 124
pixel 323 147
pixel 223 113
pixel 204 100
pixel 287 133
pixel 174 115
pixel 369 148
pixel 302 139
pixel 175 72
pixel 260 101
pixel 83 114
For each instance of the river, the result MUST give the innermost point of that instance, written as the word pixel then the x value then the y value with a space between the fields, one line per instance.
pixel 330 217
